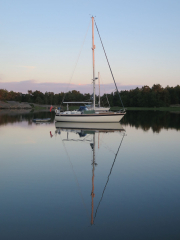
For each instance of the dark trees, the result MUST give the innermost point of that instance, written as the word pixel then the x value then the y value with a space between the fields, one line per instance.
pixel 156 96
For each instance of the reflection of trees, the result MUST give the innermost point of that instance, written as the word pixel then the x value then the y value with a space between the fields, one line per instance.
pixel 13 117
pixel 145 120
pixel 151 119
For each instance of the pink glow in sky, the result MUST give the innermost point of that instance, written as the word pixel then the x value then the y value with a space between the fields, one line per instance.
pixel 42 40
pixel 24 86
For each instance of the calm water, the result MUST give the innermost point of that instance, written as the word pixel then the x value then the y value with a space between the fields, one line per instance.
pixel 65 182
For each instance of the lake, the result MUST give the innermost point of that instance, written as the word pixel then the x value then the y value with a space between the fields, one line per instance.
pixel 73 181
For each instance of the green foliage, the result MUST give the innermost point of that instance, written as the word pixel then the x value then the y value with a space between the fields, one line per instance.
pixel 157 96
pixel 154 97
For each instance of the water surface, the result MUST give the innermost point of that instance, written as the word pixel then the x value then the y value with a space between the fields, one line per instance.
pixel 70 182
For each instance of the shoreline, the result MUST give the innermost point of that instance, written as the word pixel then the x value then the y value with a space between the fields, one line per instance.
pixel 13 105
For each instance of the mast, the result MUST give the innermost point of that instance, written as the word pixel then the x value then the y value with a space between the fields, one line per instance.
pixel 93 58
pixel 99 86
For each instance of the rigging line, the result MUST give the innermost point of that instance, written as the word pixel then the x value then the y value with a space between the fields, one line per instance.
pixel 77 182
pixel 105 91
pixel 108 177
pixel 109 64
pixel 76 63
pixel 108 148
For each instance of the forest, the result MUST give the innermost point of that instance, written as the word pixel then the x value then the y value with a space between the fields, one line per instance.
pixel 155 96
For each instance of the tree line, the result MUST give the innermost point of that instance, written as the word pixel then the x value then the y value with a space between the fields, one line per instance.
pixel 155 96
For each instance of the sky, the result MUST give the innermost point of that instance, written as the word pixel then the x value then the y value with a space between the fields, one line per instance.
pixel 46 45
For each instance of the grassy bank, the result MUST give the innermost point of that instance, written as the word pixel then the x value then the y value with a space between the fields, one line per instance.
pixel 34 107
pixel 39 108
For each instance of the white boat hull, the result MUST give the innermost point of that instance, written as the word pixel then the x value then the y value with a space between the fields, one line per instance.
pixel 101 118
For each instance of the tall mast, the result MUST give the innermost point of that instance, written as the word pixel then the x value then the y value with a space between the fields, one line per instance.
pixel 99 86
pixel 93 47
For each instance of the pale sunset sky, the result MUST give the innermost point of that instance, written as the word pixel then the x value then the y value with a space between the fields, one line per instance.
pixel 40 42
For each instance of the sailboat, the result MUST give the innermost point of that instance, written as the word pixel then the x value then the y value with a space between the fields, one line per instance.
pixel 83 115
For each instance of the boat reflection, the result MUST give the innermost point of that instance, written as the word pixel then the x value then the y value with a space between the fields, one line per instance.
pixel 83 130
pixel 99 127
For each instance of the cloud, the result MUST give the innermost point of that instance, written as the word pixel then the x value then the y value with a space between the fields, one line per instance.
pixel 33 85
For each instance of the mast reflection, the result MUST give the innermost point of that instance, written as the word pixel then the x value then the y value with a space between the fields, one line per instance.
pixel 84 129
